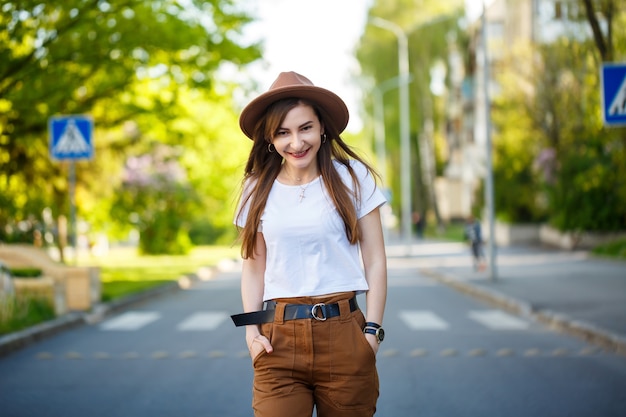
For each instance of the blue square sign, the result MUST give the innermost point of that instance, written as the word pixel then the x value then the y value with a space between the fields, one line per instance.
pixel 613 80
pixel 71 137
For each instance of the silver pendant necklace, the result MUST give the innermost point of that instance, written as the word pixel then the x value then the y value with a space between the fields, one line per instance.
pixel 303 188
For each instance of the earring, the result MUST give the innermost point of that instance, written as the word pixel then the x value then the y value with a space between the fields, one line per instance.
pixel 323 137
pixel 269 147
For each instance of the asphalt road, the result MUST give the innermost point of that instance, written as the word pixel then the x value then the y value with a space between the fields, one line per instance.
pixel 445 355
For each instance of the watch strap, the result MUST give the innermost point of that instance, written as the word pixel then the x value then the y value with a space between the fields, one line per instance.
pixel 378 332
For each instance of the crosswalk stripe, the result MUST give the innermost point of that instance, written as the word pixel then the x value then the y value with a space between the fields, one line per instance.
pixel 422 320
pixel 498 320
pixel 132 320
pixel 202 321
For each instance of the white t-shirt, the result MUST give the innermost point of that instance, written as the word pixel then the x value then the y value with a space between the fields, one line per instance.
pixel 308 253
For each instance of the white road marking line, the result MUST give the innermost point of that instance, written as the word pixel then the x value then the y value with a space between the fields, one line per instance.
pixel 132 320
pixel 422 320
pixel 202 321
pixel 498 320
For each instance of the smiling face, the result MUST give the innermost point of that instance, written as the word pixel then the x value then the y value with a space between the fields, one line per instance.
pixel 298 139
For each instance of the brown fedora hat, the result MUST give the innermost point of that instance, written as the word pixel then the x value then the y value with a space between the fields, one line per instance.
pixel 293 85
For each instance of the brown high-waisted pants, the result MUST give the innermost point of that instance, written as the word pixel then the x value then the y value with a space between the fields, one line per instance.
pixel 327 364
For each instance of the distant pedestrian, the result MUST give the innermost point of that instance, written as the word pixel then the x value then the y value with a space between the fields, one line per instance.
pixel 418 223
pixel 473 234
pixel 311 241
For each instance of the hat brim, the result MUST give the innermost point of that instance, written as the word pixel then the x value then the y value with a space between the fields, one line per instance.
pixel 329 101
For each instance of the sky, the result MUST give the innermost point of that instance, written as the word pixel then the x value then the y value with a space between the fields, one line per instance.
pixel 318 39
pixel 314 38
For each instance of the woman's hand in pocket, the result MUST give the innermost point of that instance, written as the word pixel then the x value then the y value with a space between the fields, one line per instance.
pixel 371 339
pixel 259 344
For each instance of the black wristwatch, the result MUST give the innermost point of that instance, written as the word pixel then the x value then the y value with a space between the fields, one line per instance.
pixel 376 330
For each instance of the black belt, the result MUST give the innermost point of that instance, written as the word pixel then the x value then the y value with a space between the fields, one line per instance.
pixel 319 311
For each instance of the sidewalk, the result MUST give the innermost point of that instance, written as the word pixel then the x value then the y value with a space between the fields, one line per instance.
pixel 571 291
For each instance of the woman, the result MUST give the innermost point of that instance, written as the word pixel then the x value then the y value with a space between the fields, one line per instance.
pixel 309 206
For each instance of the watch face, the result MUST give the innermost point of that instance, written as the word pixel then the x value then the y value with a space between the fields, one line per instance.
pixel 380 334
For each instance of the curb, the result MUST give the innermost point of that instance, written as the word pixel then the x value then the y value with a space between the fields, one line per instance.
pixel 20 339
pixel 557 321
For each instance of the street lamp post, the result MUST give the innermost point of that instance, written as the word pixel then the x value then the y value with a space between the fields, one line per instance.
pixel 405 150
pixel 489 193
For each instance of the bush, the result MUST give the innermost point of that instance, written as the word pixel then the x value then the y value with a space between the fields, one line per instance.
pixel 25 272
pixel 615 249
pixel 164 235
pixel 17 313
pixel 204 232
pixel 589 192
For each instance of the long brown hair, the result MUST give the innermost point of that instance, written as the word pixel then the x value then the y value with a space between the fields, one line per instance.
pixel 264 166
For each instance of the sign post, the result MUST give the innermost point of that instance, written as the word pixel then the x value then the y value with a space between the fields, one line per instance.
pixel 71 139
pixel 613 82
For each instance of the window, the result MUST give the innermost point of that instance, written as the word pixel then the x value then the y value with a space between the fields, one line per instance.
pixel 558 10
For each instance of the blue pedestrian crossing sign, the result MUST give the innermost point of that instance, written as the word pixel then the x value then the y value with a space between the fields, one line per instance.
pixel 613 81
pixel 71 137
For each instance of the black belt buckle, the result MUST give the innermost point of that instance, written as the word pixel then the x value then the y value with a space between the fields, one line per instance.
pixel 319 307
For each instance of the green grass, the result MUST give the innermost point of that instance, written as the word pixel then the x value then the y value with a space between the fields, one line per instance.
pixel 25 272
pixel 19 313
pixel 123 271
pixel 451 232
pixel 616 249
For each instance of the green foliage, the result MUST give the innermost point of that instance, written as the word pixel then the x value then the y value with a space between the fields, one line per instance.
pixel 590 191
pixel 516 143
pixel 589 188
pixel 553 158
pixel 164 235
pixel 118 289
pixel 515 187
pixel 428 25
pixel 586 198
pixel 130 65
pixel 616 249
pixel 453 232
pixel 206 232
pixel 156 190
pixel 20 313
pixel 25 272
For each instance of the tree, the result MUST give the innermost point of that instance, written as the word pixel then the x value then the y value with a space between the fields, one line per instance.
pixel 92 56
pixel 603 42
pixel 427 25
pixel 156 191
pixel 518 142
pixel 551 147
